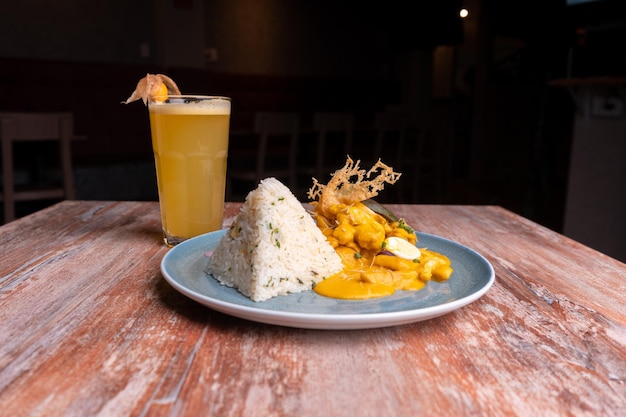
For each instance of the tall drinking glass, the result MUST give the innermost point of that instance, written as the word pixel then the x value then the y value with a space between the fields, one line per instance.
pixel 190 143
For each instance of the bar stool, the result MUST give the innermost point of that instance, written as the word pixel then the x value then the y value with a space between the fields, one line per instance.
pixel 333 142
pixel 409 148
pixel 391 130
pixel 271 152
pixel 20 127
pixel 391 147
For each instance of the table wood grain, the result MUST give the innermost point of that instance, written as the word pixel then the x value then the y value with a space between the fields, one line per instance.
pixel 89 327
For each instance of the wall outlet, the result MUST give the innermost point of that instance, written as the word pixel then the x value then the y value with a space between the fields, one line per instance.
pixel 210 55
pixel 144 50
pixel 607 106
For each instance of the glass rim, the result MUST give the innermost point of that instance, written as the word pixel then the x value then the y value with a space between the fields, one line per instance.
pixel 193 97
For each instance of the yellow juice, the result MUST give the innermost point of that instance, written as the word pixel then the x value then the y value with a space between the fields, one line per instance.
pixel 190 143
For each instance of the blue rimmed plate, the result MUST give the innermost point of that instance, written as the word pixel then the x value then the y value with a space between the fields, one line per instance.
pixel 184 268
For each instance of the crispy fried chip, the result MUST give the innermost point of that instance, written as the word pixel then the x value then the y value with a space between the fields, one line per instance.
pixel 351 184
pixel 150 86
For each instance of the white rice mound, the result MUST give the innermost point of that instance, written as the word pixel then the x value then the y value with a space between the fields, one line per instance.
pixel 273 247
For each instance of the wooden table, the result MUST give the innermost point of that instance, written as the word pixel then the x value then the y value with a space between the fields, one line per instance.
pixel 88 326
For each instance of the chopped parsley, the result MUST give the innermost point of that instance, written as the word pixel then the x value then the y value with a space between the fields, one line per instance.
pixel 402 225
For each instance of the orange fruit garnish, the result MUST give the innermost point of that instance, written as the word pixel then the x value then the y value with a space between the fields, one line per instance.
pixel 159 93
pixel 153 86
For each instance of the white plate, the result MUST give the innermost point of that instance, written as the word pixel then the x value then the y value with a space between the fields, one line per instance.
pixel 184 268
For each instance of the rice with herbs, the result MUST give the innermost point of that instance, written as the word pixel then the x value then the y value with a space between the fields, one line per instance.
pixel 273 247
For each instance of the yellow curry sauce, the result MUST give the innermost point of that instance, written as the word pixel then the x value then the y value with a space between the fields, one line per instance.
pixel 360 236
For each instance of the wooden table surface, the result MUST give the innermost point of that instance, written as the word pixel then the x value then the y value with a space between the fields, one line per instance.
pixel 88 326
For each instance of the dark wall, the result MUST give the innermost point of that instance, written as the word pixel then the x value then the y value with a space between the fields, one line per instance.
pixel 75 30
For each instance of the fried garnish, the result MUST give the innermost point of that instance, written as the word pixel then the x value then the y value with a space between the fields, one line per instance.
pixel 351 184
pixel 153 86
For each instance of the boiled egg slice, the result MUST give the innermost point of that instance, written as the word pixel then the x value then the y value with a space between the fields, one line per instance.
pixel 402 248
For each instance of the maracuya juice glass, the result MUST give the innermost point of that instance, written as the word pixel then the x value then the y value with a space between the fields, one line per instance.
pixel 190 143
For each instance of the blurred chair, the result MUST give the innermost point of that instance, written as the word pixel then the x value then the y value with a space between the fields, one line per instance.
pixel 391 132
pixel 271 152
pixel 410 149
pixel 332 143
pixel 20 127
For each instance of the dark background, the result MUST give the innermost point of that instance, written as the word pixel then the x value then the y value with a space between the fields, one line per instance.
pixel 482 83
